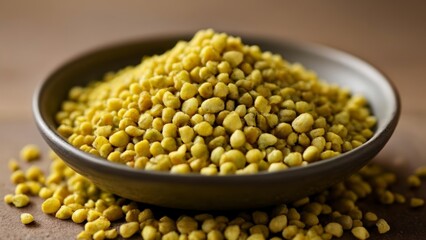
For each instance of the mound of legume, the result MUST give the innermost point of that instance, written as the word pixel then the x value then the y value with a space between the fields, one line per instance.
pixel 215 106
pixel 327 215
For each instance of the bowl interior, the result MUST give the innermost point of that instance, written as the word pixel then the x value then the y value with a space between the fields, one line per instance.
pixel 230 192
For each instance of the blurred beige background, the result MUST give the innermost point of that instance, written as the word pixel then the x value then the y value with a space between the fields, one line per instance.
pixel 38 36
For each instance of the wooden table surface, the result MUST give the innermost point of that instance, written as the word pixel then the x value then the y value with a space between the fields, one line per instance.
pixel 38 36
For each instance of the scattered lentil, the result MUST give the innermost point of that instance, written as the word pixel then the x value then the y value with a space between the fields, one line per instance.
pixel 8 198
pixel 421 172
pixel 322 216
pixel 64 212
pixel 414 181
pixel 51 205
pixel 13 165
pixel 334 229
pixel 20 200
pixel 360 233
pixel 382 226
pixel 30 152
pixel 27 218
pixel 129 229
pixel 79 215
pixel 416 202
pixel 369 216
pixel 17 176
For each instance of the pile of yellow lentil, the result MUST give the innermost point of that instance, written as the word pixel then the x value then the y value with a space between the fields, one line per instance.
pixel 327 215
pixel 213 105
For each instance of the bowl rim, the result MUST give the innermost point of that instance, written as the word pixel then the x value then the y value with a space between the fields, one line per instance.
pixel 108 167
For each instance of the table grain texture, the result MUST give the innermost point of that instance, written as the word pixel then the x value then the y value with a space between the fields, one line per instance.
pixel 38 36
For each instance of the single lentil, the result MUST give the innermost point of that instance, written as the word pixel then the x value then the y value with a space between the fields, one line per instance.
pixel 30 152
pixel 369 216
pixel 278 223
pixel 79 215
pixel 334 229
pixel 232 232
pixel 149 233
pixel 26 218
pixel 13 165
pixel 421 172
pixel 99 235
pixel 20 200
pixel 414 181
pixel 8 198
pixel 51 205
pixel 382 226
pixel 64 212
pixel 129 229
pixel 416 202
pixel 17 176
pixel 360 233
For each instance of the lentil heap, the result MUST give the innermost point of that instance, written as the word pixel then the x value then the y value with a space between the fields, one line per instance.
pixel 215 106
pixel 330 214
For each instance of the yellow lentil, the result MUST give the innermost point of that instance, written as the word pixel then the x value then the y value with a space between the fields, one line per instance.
pixel 293 159
pixel 20 200
pixel 99 224
pixel 382 226
pixel 145 215
pixel 113 213
pixel 171 236
pixel 111 234
pixel 27 218
pixel 30 152
pixel 119 139
pixel 345 221
pixel 84 235
pixel 51 205
pixel 79 216
pixel 278 223
pixel 232 232
pixel 17 176
pixel 421 172
pixel 260 229
pixel 186 224
pixel 129 229
pixel 93 214
pixel 303 123
pixel 256 236
pixel 416 202
pixel 33 173
pixel 334 229
pixel 64 212
pixel 369 216
pixel 290 231
pixel 13 165
pixel 8 198
pixel 21 188
pixel 360 233
pixel 99 235
pixel 149 233
pixel 414 181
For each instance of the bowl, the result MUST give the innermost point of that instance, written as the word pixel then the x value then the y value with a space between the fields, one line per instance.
pixel 199 192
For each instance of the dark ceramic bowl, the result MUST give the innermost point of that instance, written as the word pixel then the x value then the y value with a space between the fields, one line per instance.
pixel 218 192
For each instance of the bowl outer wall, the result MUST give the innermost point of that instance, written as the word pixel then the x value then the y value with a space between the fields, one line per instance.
pixel 218 192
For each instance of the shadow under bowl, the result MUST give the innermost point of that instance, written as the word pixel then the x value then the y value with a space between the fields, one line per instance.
pixel 199 192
